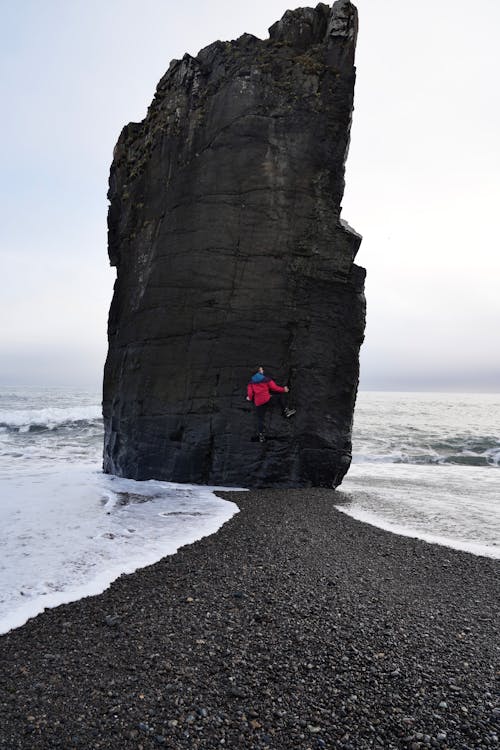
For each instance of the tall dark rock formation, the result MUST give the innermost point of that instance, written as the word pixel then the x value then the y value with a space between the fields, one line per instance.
pixel 225 230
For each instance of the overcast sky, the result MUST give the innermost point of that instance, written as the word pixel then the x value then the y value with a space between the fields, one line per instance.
pixel 422 180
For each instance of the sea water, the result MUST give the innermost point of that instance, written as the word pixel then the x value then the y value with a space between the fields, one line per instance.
pixel 427 465
pixel 66 529
pixel 424 465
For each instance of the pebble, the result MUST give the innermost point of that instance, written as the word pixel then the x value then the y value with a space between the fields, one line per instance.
pixel 237 691
pixel 112 620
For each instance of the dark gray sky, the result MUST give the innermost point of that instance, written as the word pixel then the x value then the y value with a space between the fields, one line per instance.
pixel 422 181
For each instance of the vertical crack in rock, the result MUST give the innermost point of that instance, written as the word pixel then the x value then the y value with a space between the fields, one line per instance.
pixel 225 230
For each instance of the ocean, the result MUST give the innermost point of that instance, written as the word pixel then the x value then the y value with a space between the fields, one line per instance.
pixel 66 529
pixel 424 465
pixel 427 465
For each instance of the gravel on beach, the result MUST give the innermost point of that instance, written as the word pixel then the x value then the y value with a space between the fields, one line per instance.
pixel 294 626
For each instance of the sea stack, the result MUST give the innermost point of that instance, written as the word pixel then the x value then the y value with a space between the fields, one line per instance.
pixel 225 229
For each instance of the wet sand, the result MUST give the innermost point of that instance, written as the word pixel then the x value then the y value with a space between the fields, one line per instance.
pixel 294 626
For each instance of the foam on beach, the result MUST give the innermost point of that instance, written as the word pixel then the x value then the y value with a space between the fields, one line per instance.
pixel 68 531
pixel 483 550
pixel 448 505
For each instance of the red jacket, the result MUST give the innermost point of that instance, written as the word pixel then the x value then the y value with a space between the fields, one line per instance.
pixel 260 394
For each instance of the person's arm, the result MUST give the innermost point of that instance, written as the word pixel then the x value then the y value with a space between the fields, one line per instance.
pixel 249 392
pixel 277 388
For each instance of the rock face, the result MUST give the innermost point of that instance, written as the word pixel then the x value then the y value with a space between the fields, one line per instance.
pixel 225 230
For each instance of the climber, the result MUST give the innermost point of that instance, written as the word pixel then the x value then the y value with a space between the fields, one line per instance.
pixel 265 394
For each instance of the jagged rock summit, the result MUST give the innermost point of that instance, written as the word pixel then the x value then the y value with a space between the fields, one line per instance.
pixel 225 230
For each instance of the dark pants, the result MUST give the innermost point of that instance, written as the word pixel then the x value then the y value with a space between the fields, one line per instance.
pixel 276 400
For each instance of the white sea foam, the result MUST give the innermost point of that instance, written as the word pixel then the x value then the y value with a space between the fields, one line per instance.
pixel 452 505
pixel 476 548
pixel 68 531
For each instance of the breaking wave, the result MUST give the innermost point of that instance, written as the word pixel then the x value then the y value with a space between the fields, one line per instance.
pixel 460 449
pixel 53 418
pixel 427 429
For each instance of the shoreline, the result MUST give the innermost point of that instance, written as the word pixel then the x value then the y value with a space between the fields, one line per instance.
pixel 86 538
pixel 477 549
pixel 294 625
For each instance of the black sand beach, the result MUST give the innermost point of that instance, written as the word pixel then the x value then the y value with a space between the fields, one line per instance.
pixel 292 627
